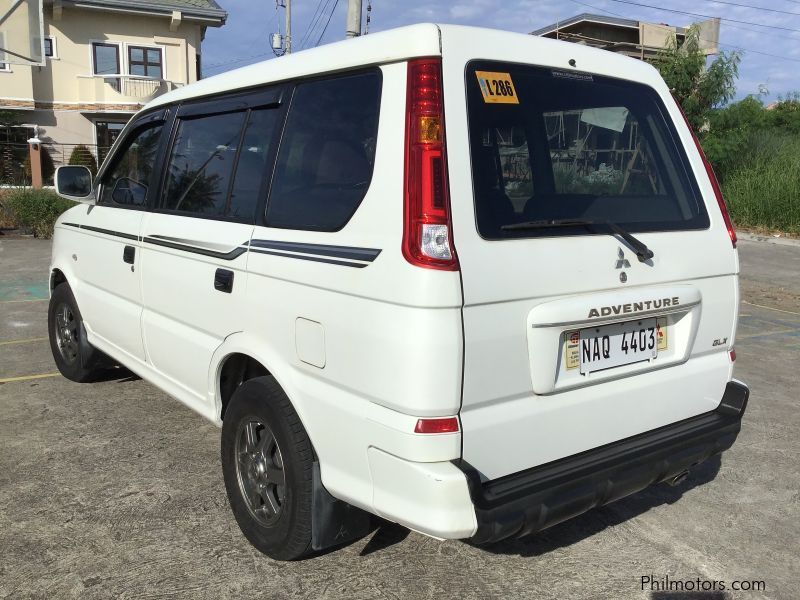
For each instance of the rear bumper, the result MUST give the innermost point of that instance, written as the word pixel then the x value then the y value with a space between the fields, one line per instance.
pixel 537 498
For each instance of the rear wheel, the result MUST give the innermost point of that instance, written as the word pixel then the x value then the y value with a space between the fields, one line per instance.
pixel 75 358
pixel 267 463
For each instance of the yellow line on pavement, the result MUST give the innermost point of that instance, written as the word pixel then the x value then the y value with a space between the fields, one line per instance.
pixel 28 377
pixel 788 312
pixel 41 339
pixel 18 301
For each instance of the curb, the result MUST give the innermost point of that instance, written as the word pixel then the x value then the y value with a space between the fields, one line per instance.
pixel 768 239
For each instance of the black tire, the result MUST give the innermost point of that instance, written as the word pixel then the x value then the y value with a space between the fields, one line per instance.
pixel 286 534
pixel 75 358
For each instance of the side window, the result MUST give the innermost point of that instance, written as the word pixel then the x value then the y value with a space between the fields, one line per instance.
pixel 216 169
pixel 201 164
pixel 251 170
pixel 127 180
pixel 327 153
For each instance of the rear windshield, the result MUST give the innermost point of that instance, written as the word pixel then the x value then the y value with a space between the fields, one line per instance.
pixel 550 144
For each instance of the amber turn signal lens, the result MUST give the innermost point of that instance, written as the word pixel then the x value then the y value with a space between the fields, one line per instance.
pixel 430 130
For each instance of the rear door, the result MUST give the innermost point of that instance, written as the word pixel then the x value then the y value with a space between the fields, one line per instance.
pixel 572 341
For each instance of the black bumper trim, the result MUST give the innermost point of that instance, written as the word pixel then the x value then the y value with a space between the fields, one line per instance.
pixel 529 501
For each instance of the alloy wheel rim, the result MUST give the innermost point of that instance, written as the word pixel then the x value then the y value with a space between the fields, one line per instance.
pixel 66 333
pixel 259 470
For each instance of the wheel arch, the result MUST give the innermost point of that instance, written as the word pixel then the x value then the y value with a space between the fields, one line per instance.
pixel 239 358
pixel 57 277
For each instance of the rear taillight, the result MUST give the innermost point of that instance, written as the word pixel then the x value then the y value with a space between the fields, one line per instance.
pixel 732 354
pixel 723 208
pixel 427 233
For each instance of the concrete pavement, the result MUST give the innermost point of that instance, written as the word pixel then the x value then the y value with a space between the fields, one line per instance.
pixel 115 490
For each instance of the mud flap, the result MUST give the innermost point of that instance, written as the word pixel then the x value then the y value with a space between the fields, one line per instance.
pixel 334 522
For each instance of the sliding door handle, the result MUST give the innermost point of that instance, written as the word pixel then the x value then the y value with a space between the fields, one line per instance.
pixel 129 254
pixel 223 281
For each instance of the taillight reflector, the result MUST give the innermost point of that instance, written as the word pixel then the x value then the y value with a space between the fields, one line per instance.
pixel 723 208
pixel 438 425
pixel 733 355
pixel 427 229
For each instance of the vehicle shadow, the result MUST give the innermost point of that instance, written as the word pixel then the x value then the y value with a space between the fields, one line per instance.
pixel 596 520
pixel 116 373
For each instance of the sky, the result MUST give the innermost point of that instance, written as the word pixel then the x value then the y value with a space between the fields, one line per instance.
pixel 771 56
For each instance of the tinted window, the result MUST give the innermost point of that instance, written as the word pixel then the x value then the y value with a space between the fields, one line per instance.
pixel 327 153
pixel 127 180
pixel 251 169
pixel 201 164
pixel 215 170
pixel 578 147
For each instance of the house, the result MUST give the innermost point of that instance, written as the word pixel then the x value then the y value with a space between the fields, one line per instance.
pixel 638 39
pixel 105 60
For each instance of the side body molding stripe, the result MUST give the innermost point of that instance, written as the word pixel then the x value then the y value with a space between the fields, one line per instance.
pixel 354 257
pixel 127 236
pixel 349 252
pixel 194 246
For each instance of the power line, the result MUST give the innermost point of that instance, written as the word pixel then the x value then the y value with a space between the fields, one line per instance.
pixel 234 61
pixel 326 24
pixel 705 40
pixel 774 10
pixel 694 14
pixel 316 25
pixel 310 23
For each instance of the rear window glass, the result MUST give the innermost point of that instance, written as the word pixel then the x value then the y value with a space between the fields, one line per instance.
pixel 572 146
pixel 325 161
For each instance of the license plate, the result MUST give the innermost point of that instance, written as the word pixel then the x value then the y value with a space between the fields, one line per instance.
pixel 608 346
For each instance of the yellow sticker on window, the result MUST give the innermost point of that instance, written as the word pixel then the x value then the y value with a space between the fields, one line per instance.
pixel 497 88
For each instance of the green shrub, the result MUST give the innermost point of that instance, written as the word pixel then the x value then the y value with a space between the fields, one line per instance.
pixel 36 210
pixel 764 189
pixel 81 155
pixel 7 219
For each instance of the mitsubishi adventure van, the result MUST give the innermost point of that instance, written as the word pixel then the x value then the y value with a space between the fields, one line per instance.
pixel 472 282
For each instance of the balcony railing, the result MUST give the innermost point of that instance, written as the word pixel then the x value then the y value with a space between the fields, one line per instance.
pixel 123 89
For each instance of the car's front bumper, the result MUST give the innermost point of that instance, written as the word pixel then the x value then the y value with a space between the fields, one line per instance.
pixel 531 500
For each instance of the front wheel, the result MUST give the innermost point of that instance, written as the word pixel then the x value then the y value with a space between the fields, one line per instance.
pixel 267 463
pixel 75 358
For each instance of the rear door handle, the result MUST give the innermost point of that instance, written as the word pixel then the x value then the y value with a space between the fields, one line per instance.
pixel 129 254
pixel 223 281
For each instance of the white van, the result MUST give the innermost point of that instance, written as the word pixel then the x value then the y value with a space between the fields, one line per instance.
pixel 470 281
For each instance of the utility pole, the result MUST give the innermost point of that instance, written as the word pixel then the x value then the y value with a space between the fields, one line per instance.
pixel 353 18
pixel 287 46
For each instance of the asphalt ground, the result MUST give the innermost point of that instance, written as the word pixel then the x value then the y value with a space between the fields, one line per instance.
pixel 115 490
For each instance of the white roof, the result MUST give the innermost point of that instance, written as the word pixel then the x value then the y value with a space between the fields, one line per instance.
pixel 376 48
pixel 400 44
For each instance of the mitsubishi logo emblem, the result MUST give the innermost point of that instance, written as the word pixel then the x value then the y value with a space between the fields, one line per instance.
pixel 622 262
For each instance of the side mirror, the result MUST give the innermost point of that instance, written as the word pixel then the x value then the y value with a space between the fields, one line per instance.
pixel 75 183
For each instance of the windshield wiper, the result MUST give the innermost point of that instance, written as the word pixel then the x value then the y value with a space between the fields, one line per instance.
pixel 643 253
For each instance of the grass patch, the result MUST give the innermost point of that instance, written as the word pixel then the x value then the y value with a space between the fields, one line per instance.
pixel 763 189
pixel 34 210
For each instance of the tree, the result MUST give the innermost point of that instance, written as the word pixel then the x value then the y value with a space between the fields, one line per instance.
pixel 698 88
pixel 81 155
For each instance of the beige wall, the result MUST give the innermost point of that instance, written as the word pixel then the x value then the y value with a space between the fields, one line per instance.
pixel 63 80
pixel 60 81
pixel 66 94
